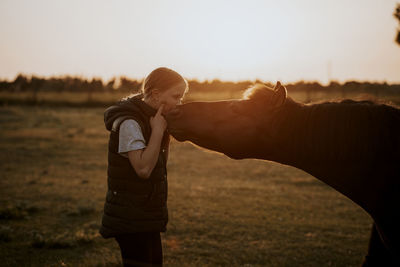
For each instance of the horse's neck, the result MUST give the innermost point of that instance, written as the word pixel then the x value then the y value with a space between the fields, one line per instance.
pixel 313 134
pixel 295 135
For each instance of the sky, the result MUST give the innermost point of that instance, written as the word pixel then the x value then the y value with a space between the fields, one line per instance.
pixel 286 40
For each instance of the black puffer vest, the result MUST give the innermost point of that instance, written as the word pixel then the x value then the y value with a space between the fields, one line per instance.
pixel 133 204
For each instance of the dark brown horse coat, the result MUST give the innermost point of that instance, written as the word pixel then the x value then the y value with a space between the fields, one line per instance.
pixel 352 146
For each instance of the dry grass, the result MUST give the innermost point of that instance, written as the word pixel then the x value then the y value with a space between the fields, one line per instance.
pixel 222 212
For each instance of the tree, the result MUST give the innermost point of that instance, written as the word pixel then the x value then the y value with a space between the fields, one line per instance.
pixel 396 14
pixel 36 85
pixel 128 85
pixel 21 83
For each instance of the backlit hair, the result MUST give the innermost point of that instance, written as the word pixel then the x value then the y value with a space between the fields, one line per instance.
pixel 258 90
pixel 162 79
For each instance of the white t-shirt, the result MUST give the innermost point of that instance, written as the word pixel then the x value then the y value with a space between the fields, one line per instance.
pixel 130 137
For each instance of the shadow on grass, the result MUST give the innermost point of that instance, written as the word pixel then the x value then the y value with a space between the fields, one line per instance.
pixel 18 211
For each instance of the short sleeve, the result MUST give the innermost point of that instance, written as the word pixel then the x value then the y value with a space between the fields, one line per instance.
pixel 130 137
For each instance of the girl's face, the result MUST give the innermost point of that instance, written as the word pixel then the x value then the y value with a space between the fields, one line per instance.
pixel 170 97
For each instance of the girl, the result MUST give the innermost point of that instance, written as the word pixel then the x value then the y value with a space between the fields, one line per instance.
pixel 135 210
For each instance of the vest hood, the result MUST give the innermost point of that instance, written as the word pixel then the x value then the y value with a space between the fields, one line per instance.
pixel 127 108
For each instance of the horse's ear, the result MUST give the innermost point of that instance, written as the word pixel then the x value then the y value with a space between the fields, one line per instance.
pixel 279 96
pixel 277 85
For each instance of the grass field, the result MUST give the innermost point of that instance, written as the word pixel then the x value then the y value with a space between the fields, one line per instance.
pixel 222 212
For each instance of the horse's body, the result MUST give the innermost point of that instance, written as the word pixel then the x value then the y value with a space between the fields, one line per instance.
pixel 352 146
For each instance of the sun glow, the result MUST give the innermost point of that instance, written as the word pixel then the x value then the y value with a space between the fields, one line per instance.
pixel 287 40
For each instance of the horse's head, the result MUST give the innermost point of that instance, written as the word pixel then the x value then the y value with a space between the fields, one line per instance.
pixel 233 127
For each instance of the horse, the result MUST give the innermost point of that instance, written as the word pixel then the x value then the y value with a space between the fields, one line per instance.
pixel 353 146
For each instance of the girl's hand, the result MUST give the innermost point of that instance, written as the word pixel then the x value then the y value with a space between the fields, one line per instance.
pixel 158 122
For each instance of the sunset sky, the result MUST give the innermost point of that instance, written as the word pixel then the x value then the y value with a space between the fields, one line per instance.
pixel 287 40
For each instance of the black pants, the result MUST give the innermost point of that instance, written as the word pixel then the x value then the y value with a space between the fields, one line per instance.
pixel 141 249
pixel 378 254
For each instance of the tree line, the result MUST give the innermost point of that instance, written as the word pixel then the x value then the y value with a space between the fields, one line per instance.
pixel 33 84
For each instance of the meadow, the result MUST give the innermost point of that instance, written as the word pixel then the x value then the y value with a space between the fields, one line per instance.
pixel 223 212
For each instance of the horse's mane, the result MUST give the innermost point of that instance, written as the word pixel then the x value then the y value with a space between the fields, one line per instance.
pixel 264 91
pixel 257 91
pixel 357 127
pixel 345 102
